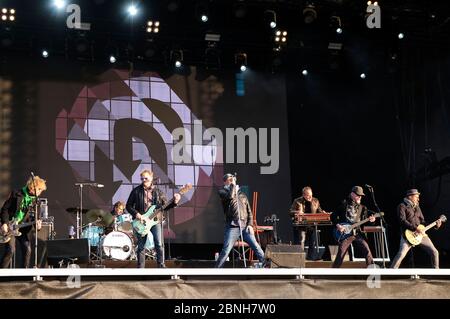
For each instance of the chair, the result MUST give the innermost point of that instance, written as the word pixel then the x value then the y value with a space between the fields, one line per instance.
pixel 237 250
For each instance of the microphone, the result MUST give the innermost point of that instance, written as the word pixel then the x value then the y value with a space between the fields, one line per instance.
pixel 90 184
pixel 32 174
pixel 368 186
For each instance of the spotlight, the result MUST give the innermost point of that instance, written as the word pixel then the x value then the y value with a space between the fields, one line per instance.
pixel 8 14
pixel 202 11
pixel 132 10
pixel 112 59
pixel 339 30
pixel 280 36
pixel 271 18
pixel 176 57
pixel 305 72
pixel 240 59
pixel 152 26
pixel 401 35
pixel 59 4
pixel 44 53
pixel 362 75
pixel 309 14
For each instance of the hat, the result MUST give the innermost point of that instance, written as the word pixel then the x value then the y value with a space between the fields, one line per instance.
pixel 358 190
pixel 412 191
pixel 227 176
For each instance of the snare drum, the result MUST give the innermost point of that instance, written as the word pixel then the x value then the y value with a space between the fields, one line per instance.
pixel 93 234
pixel 117 245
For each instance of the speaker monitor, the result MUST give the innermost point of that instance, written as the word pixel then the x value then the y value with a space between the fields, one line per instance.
pixel 285 256
pixel 68 250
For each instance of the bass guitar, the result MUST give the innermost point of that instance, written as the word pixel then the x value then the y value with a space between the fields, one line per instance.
pixel 348 228
pixel 13 230
pixel 150 218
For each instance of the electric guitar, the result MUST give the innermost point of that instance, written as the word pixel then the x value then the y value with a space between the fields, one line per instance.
pixel 13 230
pixel 348 228
pixel 150 218
pixel 415 238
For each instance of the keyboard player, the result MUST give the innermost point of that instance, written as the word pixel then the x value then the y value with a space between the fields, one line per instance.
pixel 305 204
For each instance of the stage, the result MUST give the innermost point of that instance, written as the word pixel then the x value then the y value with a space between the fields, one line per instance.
pixel 226 283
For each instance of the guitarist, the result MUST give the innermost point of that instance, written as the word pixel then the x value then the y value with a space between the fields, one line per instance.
pixel 352 211
pixel 140 200
pixel 17 207
pixel 410 216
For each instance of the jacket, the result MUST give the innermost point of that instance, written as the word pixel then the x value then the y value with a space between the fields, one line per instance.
pixel 230 204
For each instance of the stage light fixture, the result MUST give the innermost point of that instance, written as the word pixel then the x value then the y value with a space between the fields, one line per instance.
pixel 132 10
pixel 8 14
pixel 401 36
pixel 59 4
pixel 271 18
pixel 240 59
pixel 112 59
pixel 362 76
pixel 280 36
pixel 204 18
pixel 44 53
pixel 305 72
pixel 177 58
pixel 153 26
pixel 309 14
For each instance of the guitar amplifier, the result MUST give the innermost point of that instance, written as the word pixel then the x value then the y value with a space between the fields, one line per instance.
pixel 285 256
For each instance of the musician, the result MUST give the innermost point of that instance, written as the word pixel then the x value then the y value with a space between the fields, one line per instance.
pixel 19 208
pixel 305 204
pixel 350 212
pixel 140 200
pixel 410 216
pixel 238 216
pixel 118 209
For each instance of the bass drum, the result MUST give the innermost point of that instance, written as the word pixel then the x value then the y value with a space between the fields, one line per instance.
pixel 117 245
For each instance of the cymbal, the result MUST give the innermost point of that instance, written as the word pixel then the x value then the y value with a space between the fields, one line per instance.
pixel 100 217
pixel 74 210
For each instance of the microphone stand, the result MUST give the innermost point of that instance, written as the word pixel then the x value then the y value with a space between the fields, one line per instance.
pixel 239 222
pixel 36 214
pixel 80 211
pixel 382 221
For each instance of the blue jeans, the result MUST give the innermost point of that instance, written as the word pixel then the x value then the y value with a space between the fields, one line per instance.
pixel 156 232
pixel 231 236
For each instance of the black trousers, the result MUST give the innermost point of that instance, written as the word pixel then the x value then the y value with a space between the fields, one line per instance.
pixel 10 249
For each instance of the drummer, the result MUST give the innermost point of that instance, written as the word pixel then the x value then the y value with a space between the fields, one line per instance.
pixel 118 210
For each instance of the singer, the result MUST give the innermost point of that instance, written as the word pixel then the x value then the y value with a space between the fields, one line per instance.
pixel 238 217
pixel 140 200
pixel 18 210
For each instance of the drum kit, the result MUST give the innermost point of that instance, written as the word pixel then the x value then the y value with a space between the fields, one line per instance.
pixel 111 237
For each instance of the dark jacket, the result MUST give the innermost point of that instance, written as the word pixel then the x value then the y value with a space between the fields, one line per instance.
pixel 230 206
pixel 343 215
pixel 135 202
pixel 12 206
pixel 410 217
pixel 299 205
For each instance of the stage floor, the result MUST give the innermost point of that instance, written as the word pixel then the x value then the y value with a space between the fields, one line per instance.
pixel 226 283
